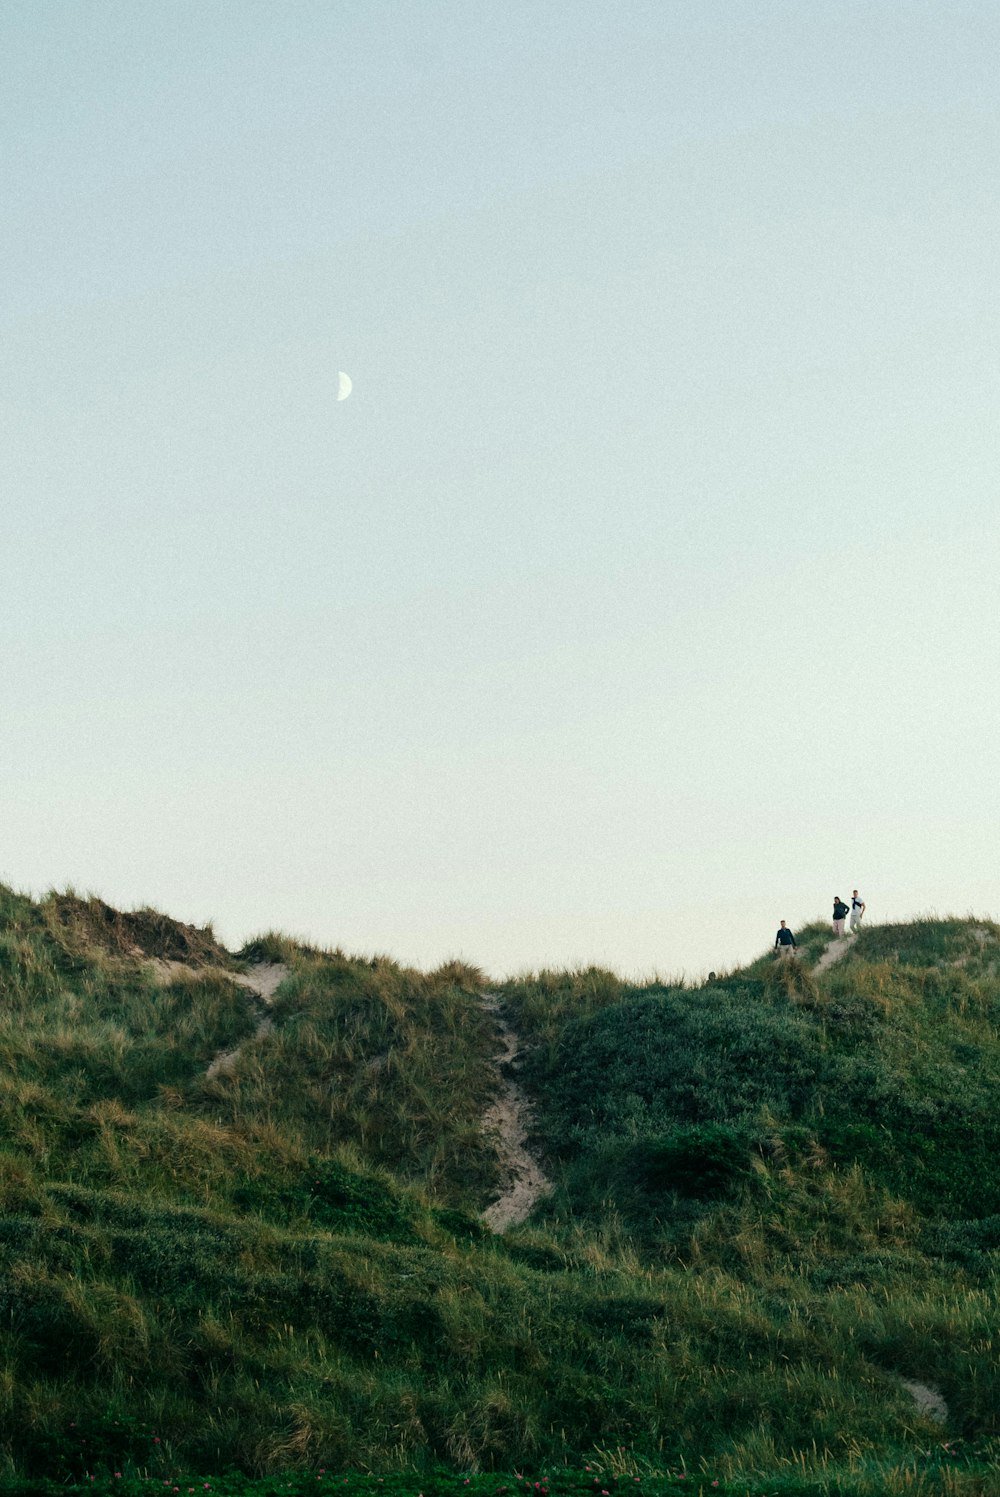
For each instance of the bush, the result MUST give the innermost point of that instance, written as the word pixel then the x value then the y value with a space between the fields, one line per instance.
pixel 341 1200
pixel 702 1159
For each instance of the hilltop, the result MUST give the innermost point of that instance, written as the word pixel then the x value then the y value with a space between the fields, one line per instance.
pixel 246 1211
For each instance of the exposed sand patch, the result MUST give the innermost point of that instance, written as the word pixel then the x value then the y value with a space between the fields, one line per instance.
pixel 928 1400
pixel 263 981
pixel 507 1121
pixel 838 947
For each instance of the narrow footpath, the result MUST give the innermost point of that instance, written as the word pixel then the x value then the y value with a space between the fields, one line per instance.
pixel 839 946
pixel 263 980
pixel 507 1122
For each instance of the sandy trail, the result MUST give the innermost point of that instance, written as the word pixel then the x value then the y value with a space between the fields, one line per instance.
pixel 507 1121
pixel 263 981
pixel 837 948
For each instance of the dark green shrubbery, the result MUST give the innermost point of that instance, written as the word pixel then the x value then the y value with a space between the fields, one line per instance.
pixel 853 1065
pixel 103 1441
pixel 340 1200
pixel 964 1473
pixel 698 1159
pixel 640 1068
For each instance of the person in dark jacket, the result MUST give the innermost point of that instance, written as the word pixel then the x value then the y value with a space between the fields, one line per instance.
pixel 840 910
pixel 784 941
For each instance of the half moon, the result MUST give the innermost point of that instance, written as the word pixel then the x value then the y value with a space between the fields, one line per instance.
pixel 344 385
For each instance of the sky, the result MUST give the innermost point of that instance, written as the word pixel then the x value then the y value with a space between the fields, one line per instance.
pixel 644 590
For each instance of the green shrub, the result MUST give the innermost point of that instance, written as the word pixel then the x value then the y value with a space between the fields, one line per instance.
pixel 341 1200
pixel 700 1159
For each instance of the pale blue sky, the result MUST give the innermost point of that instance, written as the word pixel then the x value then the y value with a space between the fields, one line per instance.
pixel 644 591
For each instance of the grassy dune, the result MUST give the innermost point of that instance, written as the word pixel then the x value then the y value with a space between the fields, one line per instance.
pixel 777 1202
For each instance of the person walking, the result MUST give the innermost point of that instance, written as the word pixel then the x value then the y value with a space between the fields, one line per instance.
pixel 784 941
pixel 858 908
pixel 839 915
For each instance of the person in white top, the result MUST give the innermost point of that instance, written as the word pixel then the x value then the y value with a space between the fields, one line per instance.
pixel 857 909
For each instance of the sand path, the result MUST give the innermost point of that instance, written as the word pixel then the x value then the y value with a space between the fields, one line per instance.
pixel 507 1122
pixel 263 980
pixel 837 948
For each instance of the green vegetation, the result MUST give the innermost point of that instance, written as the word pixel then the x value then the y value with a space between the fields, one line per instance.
pixel 777 1202
pixel 945 1471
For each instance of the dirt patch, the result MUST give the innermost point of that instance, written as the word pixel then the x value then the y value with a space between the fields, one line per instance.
pixel 507 1122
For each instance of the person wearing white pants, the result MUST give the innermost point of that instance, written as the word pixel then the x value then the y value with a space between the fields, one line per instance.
pixel 857 910
pixel 839 916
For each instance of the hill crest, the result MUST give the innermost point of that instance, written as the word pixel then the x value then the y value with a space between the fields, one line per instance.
pixel 775 1204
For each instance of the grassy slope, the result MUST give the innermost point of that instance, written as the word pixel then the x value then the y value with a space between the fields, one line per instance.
pixel 776 1198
